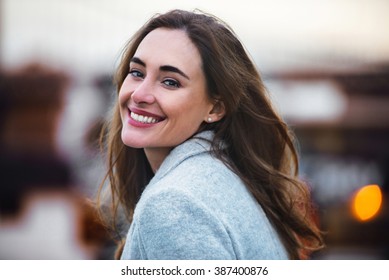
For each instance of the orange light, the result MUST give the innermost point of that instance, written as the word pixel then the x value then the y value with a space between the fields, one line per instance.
pixel 367 202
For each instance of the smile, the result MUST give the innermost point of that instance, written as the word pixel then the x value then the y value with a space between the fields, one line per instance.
pixel 143 119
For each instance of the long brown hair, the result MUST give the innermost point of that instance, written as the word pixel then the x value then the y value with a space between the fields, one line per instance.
pixel 258 145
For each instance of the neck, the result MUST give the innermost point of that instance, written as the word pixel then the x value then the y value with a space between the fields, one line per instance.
pixel 156 156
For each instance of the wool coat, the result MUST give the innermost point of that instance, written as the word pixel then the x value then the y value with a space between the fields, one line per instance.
pixel 195 207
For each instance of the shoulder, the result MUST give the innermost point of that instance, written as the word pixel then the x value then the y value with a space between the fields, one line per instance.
pixel 170 223
pixel 189 186
pixel 202 178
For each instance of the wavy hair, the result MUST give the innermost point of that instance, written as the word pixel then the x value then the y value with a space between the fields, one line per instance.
pixel 257 143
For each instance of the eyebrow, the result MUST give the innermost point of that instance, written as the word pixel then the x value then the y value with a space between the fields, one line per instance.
pixel 164 68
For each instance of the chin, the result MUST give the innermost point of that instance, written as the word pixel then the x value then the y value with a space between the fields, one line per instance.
pixel 132 142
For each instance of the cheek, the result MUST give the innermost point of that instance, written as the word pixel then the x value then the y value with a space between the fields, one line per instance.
pixel 174 107
pixel 190 109
pixel 187 115
pixel 125 92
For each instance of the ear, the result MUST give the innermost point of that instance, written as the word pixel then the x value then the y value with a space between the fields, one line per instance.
pixel 216 113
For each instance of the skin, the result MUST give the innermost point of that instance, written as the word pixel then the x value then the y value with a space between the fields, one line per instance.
pixel 166 84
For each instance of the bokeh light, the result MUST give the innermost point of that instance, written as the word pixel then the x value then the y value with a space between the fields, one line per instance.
pixel 367 202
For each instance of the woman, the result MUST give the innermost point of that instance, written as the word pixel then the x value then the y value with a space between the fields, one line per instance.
pixel 198 159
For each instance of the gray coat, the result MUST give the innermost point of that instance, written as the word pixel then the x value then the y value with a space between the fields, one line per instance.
pixel 195 207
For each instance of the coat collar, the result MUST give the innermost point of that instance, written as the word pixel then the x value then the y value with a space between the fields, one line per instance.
pixel 197 144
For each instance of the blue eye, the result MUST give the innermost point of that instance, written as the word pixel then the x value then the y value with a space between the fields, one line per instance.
pixel 136 73
pixel 171 83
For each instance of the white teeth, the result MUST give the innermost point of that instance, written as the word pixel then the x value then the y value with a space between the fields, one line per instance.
pixel 143 119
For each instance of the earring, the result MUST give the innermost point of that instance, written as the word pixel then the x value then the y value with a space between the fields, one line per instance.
pixel 209 119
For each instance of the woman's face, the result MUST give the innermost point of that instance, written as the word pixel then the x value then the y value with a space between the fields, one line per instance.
pixel 163 99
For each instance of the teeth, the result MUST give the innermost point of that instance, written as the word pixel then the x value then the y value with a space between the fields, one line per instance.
pixel 143 119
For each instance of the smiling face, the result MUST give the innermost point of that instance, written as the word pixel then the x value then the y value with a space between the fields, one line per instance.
pixel 163 99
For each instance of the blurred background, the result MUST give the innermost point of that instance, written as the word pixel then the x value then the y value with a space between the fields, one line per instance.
pixel 325 63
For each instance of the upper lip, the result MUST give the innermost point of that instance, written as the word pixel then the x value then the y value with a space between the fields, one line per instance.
pixel 145 113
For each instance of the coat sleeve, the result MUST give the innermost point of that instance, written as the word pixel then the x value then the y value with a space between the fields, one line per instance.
pixel 173 225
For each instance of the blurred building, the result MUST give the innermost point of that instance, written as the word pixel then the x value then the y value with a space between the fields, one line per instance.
pixel 43 212
pixel 341 119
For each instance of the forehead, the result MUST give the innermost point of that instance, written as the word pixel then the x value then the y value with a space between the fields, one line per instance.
pixel 168 46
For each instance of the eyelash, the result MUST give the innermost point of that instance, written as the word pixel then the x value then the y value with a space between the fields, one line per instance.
pixel 167 82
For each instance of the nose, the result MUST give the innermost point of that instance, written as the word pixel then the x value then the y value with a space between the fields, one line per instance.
pixel 143 93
